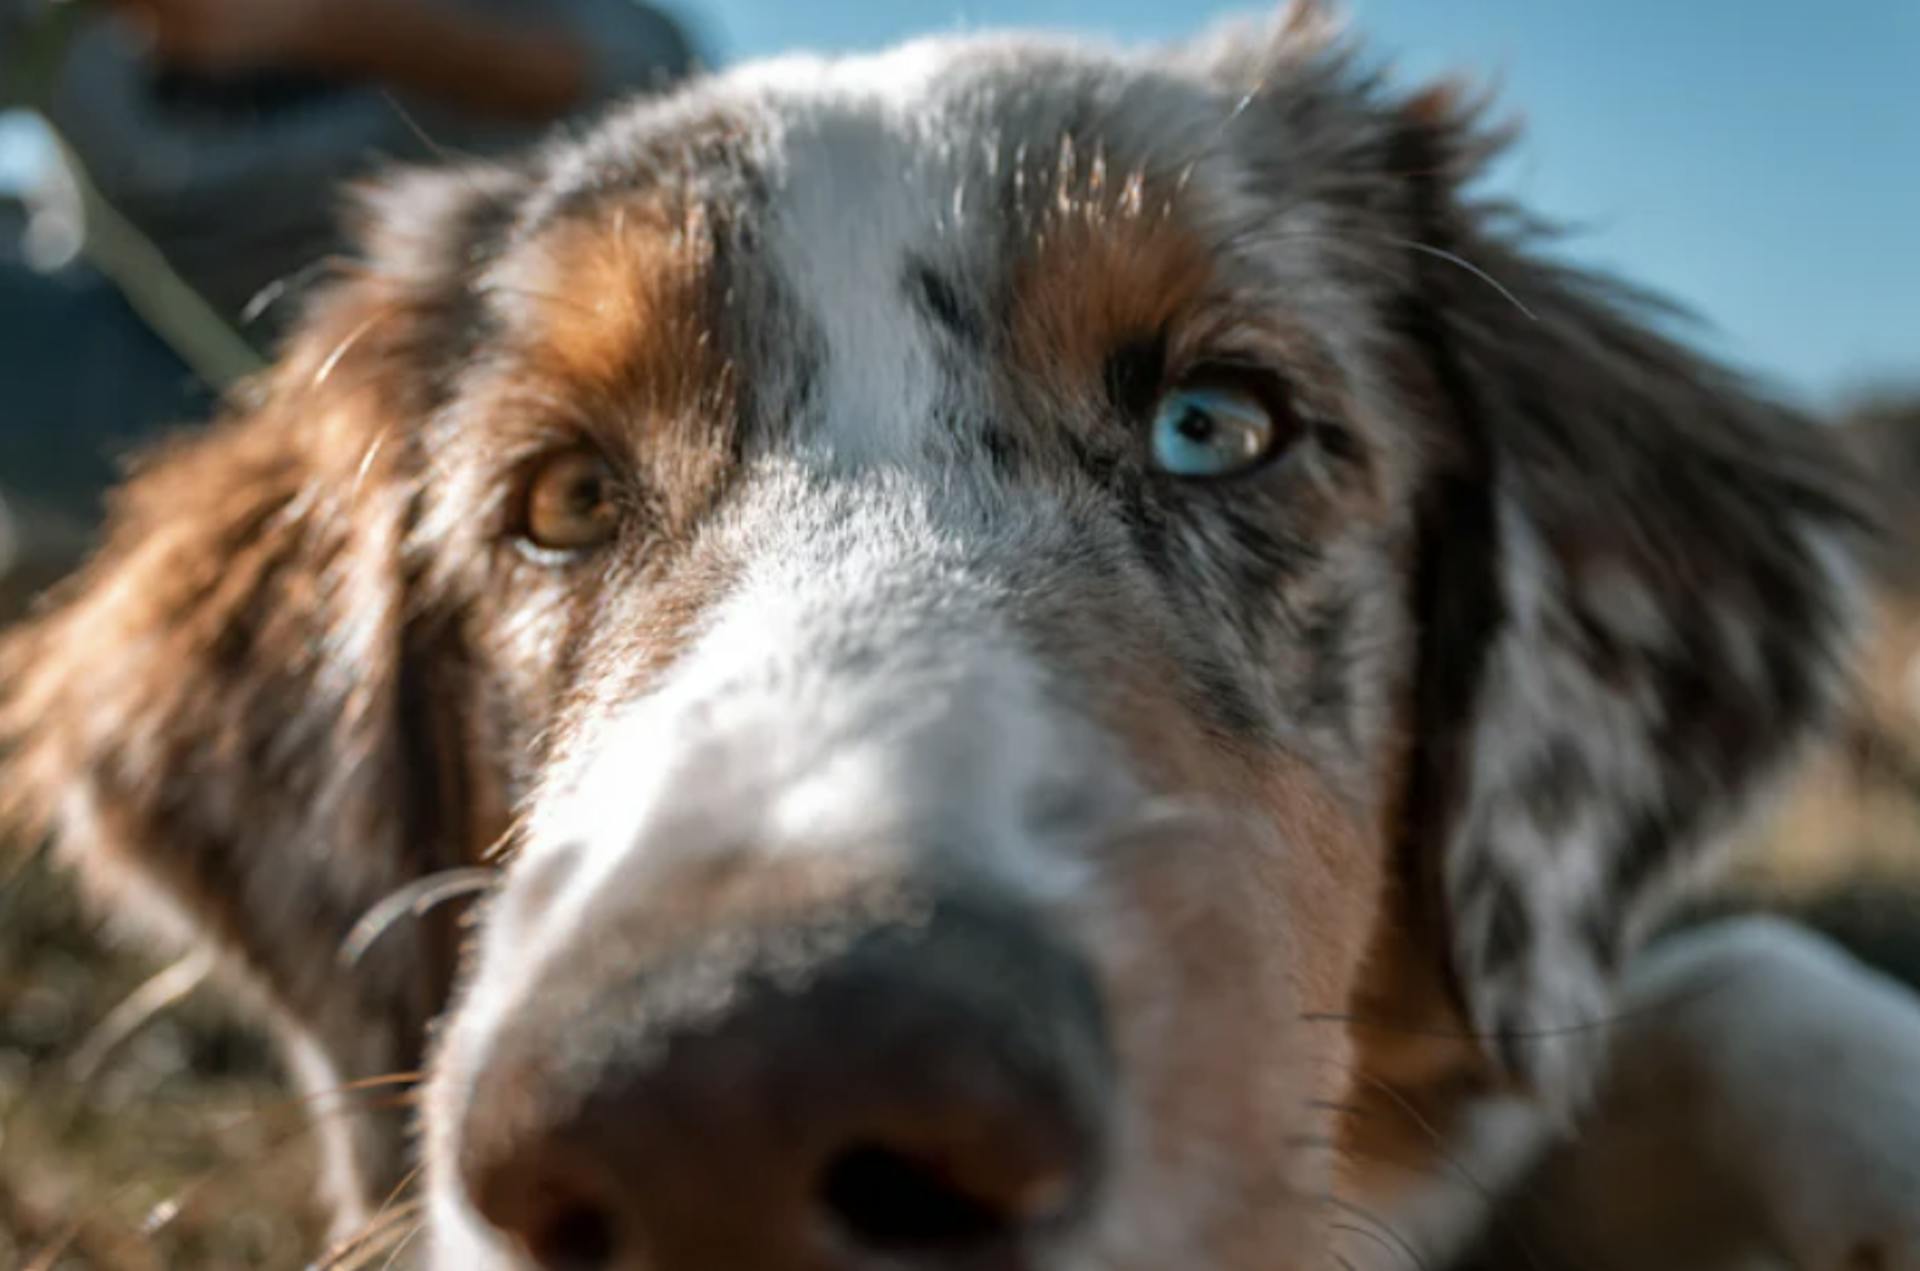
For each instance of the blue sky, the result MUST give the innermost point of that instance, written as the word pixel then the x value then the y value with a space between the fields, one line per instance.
pixel 1759 160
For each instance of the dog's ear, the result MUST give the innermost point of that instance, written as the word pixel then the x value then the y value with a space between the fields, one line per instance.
pixel 224 712
pixel 1636 593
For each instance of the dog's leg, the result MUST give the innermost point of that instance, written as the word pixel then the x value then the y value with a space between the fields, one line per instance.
pixel 1762 1111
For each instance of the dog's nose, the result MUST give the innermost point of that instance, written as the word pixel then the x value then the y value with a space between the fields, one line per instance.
pixel 924 1096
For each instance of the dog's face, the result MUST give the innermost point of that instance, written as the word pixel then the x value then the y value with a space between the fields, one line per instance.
pixel 1025 618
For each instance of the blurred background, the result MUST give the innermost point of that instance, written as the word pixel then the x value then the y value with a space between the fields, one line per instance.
pixel 167 170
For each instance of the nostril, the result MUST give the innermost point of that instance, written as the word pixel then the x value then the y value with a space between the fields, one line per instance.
pixel 933 1095
pixel 889 1202
pixel 575 1237
pixel 548 1205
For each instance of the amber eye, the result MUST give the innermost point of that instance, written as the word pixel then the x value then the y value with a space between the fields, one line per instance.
pixel 570 503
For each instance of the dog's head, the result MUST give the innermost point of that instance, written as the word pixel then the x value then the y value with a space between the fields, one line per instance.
pixel 1031 621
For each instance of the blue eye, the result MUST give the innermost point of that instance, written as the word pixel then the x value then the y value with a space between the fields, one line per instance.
pixel 1203 432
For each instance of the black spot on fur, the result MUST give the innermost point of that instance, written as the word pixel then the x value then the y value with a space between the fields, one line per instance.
pixel 1509 927
pixel 1648 846
pixel 1145 517
pixel 1226 704
pixel 1600 651
pixel 1558 783
pixel 1265 552
pixel 1600 928
pixel 1135 374
pixel 935 295
pixel 1340 444
pixel 1459 608
pixel 1004 450
pixel 1510 1040
pixel 1324 639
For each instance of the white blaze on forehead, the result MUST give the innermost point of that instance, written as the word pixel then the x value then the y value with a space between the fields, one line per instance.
pixel 822 710
pixel 860 186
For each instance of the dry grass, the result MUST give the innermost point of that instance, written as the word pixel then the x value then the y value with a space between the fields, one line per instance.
pixel 181 1149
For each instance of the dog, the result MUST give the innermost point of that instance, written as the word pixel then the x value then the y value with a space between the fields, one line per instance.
pixel 1041 658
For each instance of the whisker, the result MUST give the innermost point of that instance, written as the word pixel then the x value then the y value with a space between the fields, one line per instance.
pixel 367 460
pixel 277 290
pixel 374 1238
pixel 381 1222
pixel 399 1189
pixel 1376 1228
pixel 1168 815
pixel 1454 258
pixel 416 900
pixel 1355 1229
pixel 444 153
pixel 353 337
pixel 1336 1105
pixel 1444 1153
pixel 394 1257
pixel 502 849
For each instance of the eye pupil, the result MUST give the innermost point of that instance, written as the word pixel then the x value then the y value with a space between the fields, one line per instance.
pixel 569 504
pixel 1196 425
pixel 1203 430
pixel 586 495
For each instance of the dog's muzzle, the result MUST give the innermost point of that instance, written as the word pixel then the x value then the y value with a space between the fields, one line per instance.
pixel 928 1090
pixel 780 984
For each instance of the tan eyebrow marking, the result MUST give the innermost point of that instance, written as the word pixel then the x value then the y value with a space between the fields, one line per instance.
pixel 617 319
pixel 627 300
pixel 1104 266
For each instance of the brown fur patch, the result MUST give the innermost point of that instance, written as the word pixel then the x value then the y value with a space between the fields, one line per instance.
pixel 625 300
pixel 1379 1053
pixel 1249 945
pixel 1298 920
pixel 614 341
pixel 1105 266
